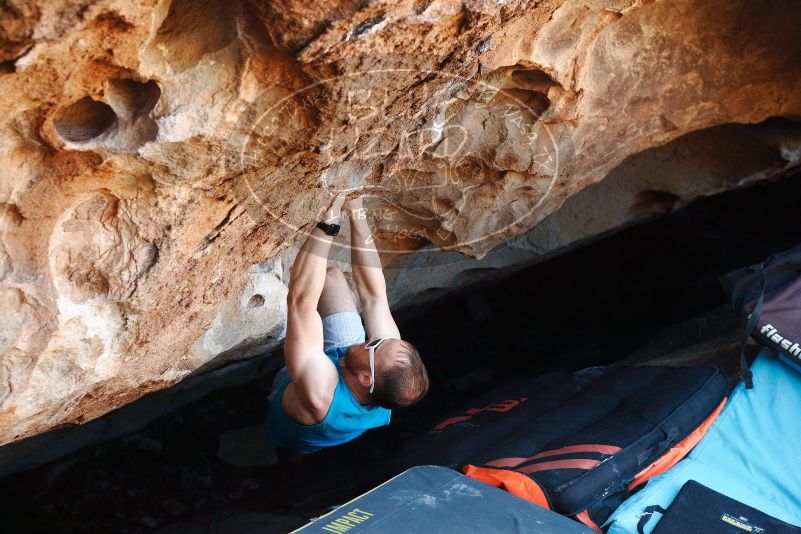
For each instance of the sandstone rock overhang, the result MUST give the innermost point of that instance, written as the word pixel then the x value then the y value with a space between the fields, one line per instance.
pixel 160 159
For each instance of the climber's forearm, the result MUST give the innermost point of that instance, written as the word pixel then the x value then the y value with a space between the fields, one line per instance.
pixel 307 277
pixel 369 277
pixel 367 271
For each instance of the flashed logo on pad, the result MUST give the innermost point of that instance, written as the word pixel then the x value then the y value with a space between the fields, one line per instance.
pixel 772 333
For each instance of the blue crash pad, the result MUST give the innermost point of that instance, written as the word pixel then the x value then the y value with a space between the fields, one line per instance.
pixel 752 453
pixel 437 499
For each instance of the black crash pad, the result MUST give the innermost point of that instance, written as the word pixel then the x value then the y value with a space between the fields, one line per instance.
pixel 437 499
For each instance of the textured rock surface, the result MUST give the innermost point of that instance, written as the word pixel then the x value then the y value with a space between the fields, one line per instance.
pixel 159 159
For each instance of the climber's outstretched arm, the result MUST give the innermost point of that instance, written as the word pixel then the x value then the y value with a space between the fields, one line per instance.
pixel 313 375
pixel 369 275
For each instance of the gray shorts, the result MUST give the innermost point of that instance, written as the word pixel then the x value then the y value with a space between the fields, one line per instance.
pixel 339 330
pixel 342 330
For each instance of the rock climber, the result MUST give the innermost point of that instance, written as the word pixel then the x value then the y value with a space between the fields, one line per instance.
pixel 341 378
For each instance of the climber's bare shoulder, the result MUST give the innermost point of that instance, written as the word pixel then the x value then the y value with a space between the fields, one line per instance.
pixel 308 396
pixel 301 409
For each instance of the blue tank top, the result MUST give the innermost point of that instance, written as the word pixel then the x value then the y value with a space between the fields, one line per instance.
pixel 346 418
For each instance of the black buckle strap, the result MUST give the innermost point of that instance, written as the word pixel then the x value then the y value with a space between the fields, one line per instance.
pixel 646 516
pixel 745 372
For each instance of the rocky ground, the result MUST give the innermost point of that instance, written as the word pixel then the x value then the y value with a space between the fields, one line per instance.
pixel 594 305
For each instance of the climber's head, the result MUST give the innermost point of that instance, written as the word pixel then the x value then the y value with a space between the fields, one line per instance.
pixel 398 377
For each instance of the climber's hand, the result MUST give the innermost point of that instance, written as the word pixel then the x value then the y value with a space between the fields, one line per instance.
pixel 332 215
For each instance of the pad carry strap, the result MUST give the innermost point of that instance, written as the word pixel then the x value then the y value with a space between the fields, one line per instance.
pixel 753 318
pixel 646 516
